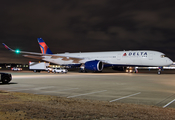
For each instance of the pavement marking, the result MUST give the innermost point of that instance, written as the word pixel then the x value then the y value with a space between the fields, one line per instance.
pixel 19 90
pixel 125 97
pixel 67 89
pixel 57 90
pixel 168 103
pixel 37 76
pixel 86 94
pixel 38 88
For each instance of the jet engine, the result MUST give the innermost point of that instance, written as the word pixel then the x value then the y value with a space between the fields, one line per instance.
pixel 94 65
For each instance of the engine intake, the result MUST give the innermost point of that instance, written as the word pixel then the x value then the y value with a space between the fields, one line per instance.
pixel 94 65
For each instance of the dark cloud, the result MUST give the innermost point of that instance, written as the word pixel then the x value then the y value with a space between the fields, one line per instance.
pixel 93 25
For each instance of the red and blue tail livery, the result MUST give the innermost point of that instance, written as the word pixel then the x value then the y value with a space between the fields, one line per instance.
pixel 44 48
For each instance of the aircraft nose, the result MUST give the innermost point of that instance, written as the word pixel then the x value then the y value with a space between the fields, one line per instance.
pixel 169 61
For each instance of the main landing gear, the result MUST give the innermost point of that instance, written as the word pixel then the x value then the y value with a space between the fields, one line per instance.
pixel 82 69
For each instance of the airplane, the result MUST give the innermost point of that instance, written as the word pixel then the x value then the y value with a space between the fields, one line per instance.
pixel 97 61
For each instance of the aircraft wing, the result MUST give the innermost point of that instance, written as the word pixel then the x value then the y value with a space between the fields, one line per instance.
pixel 32 56
pixel 17 51
pixel 41 56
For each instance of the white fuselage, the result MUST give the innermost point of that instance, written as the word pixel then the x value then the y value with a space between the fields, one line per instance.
pixel 127 58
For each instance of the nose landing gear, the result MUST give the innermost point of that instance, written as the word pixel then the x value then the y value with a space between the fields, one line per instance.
pixel 159 70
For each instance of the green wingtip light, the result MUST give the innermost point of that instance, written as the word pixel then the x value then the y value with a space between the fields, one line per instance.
pixel 17 51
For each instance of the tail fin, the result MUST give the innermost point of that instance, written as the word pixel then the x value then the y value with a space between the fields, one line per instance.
pixel 44 48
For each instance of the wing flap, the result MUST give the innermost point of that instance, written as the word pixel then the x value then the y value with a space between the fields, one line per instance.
pixel 32 56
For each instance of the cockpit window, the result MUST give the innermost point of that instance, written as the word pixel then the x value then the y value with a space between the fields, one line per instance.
pixel 162 56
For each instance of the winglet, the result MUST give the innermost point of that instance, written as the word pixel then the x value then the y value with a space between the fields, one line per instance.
pixel 7 47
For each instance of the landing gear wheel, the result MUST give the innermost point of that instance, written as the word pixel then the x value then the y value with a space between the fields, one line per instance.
pixel 81 71
pixel 84 71
pixel 159 72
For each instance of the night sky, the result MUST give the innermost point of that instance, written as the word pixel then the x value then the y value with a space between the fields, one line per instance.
pixel 86 26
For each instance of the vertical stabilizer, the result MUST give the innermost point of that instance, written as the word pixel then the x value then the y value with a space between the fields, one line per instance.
pixel 44 48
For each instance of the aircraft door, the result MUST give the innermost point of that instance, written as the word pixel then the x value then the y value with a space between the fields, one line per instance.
pixel 151 56
pixel 119 56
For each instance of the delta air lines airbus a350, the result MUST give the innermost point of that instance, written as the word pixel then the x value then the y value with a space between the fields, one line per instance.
pixel 96 61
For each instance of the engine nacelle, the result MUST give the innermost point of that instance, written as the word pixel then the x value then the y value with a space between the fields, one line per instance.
pixel 94 65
